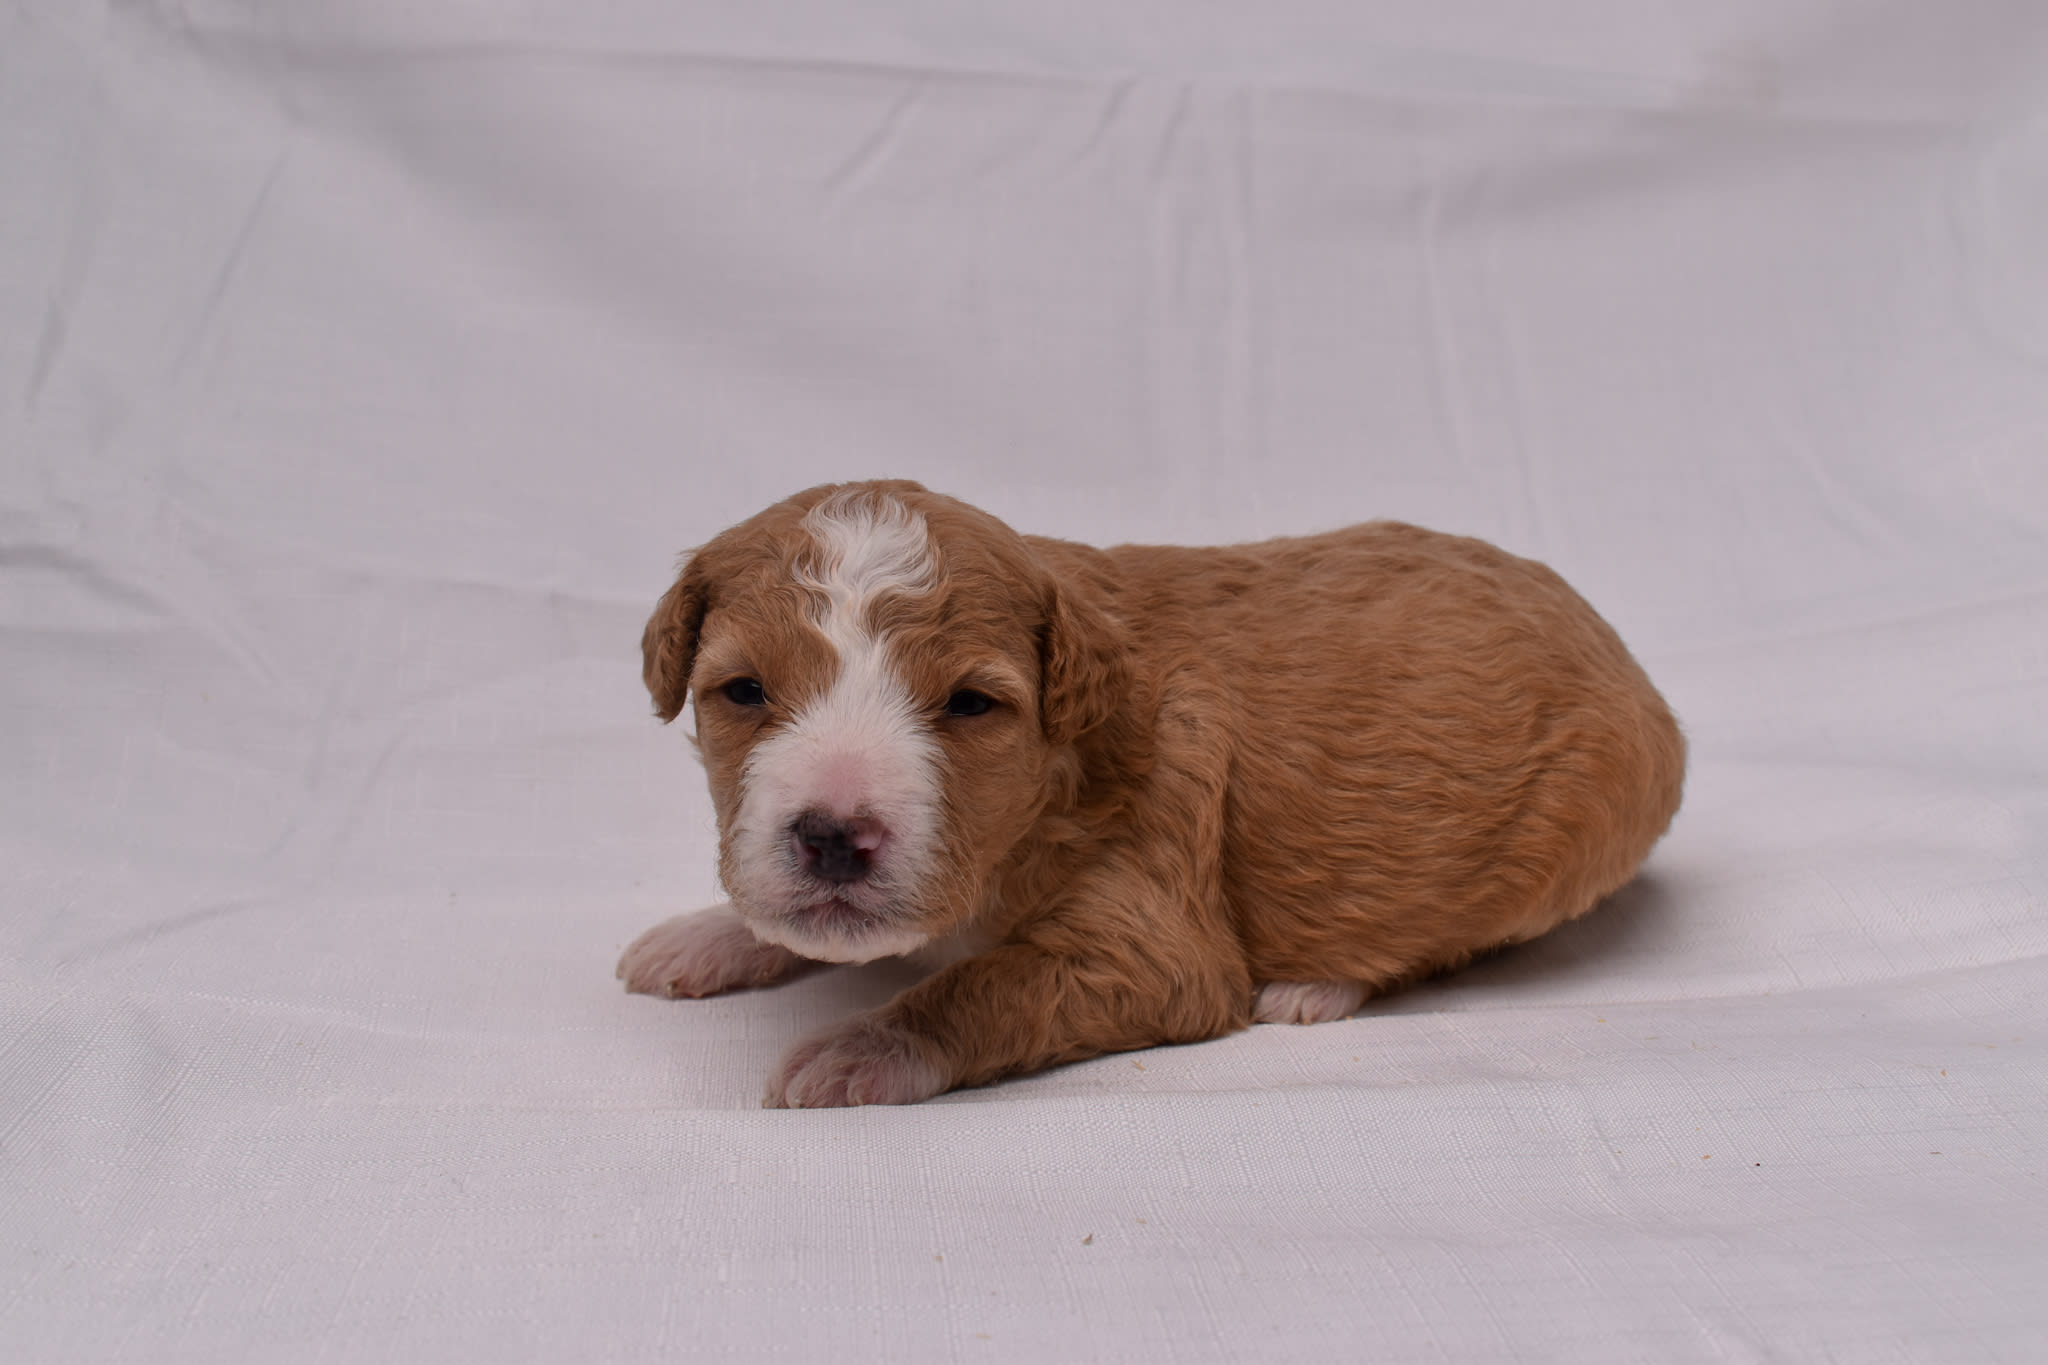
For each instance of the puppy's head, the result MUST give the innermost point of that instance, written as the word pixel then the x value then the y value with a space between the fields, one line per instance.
pixel 882 679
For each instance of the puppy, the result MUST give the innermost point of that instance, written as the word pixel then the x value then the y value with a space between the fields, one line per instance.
pixel 1132 796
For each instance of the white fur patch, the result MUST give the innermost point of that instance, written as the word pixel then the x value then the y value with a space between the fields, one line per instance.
pixel 862 749
pixel 867 545
pixel 1306 1002
pixel 703 954
pixel 855 1061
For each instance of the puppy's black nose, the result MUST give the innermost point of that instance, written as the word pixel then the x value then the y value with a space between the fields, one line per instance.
pixel 835 850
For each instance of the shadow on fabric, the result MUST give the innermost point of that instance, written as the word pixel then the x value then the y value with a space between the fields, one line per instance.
pixel 1634 925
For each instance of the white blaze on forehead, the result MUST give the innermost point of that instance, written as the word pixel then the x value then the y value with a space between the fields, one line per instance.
pixel 865 546
pixel 862 748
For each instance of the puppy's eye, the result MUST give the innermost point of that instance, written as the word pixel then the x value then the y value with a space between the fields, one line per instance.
pixel 967 702
pixel 745 692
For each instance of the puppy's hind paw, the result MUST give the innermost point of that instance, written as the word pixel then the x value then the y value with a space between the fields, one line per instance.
pixel 704 954
pixel 861 1060
pixel 1306 1002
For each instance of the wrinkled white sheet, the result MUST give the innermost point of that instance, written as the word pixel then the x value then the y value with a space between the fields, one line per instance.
pixel 364 366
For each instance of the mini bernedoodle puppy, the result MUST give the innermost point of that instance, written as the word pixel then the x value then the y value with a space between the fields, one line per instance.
pixel 1130 796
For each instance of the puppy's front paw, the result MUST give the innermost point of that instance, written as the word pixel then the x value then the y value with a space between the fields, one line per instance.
pixel 1306 1002
pixel 703 954
pixel 861 1060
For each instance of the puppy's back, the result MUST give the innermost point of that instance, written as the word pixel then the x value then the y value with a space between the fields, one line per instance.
pixel 1434 746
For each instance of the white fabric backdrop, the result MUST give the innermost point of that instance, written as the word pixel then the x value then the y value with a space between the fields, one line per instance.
pixel 364 366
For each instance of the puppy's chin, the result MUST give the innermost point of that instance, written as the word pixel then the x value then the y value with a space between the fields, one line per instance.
pixel 834 931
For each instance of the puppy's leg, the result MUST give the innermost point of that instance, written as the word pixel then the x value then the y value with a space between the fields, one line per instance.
pixel 1018 1008
pixel 863 1060
pixel 704 954
pixel 1306 1002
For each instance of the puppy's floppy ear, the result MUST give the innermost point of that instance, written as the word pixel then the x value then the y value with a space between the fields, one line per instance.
pixel 669 644
pixel 1085 663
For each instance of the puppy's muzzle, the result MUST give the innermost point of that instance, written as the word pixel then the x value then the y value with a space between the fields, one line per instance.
pixel 835 850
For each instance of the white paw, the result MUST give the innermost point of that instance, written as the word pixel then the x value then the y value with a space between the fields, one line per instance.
pixel 703 954
pixel 1306 1002
pixel 857 1061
